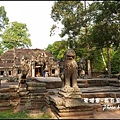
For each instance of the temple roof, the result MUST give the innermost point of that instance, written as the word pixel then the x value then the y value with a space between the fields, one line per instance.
pixel 14 56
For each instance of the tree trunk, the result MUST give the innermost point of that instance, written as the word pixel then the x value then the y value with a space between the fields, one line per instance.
pixel 109 62
pixel 103 60
pixel 88 61
pixel 89 69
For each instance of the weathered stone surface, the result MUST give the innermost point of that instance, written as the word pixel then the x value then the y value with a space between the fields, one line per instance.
pixel 81 113
pixel 73 102
pixel 66 108
pixel 14 103
pixel 13 86
pixel 37 94
pixel 70 70
pixel 56 100
pixel 6 108
pixel 7 90
pixel 70 92
pixel 23 93
pixel 5 104
pixel 36 88
pixel 22 89
pixel 34 84
pixel 70 95
pixel 4 96
pixel 80 108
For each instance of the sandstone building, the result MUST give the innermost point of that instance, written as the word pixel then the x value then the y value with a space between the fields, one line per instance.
pixel 41 63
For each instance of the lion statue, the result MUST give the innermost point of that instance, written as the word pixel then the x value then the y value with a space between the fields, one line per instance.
pixel 70 72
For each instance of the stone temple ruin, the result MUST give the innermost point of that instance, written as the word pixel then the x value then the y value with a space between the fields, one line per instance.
pixel 41 63
pixel 64 97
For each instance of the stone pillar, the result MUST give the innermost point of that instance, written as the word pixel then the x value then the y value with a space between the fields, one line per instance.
pixel 15 71
pixel 33 70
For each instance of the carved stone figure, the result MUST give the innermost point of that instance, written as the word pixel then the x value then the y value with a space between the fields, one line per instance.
pixel 69 75
pixel 24 71
pixel 82 68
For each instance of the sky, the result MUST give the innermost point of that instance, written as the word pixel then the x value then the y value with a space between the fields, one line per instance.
pixel 36 15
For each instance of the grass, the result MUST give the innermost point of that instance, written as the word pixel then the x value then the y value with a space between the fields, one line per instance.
pixel 23 114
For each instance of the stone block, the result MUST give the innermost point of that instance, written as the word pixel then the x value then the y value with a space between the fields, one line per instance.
pixel 7 90
pixel 73 102
pixel 34 84
pixel 6 108
pixel 5 96
pixel 36 88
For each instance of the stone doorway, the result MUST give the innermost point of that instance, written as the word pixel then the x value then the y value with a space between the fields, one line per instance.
pixel 38 71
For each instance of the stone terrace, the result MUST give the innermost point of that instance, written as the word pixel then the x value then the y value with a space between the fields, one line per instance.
pixel 90 88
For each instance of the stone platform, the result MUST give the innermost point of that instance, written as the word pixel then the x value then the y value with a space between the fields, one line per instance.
pixel 55 82
pixel 90 88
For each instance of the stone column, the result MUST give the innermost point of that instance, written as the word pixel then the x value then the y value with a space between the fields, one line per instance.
pixel 33 69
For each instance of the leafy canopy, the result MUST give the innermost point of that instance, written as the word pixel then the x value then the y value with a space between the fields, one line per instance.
pixel 3 18
pixel 16 35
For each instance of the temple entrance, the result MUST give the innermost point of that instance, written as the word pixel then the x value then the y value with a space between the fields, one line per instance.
pixel 39 70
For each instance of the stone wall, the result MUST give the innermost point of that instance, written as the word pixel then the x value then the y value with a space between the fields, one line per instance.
pixel 29 98
pixel 8 98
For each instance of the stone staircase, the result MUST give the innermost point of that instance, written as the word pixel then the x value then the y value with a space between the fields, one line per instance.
pixel 8 98
pixel 83 83
pixel 34 99
pixel 114 83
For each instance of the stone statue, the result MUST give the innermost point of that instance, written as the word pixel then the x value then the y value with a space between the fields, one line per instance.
pixel 70 72
pixel 24 71
pixel 82 68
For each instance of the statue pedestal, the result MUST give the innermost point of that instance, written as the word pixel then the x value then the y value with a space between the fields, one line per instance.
pixel 68 104
pixel 71 96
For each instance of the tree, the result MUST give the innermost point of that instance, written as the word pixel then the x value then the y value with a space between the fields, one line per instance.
pixel 58 48
pixel 16 36
pixel 71 15
pixel 106 29
pixel 3 18
pixel 3 22
pixel 115 62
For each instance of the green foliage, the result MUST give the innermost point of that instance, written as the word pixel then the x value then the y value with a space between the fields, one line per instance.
pixel 9 114
pixel 103 31
pixel 3 18
pixel 1 49
pixel 115 62
pixel 70 14
pixel 106 18
pixel 16 35
pixel 58 48
pixel 3 23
